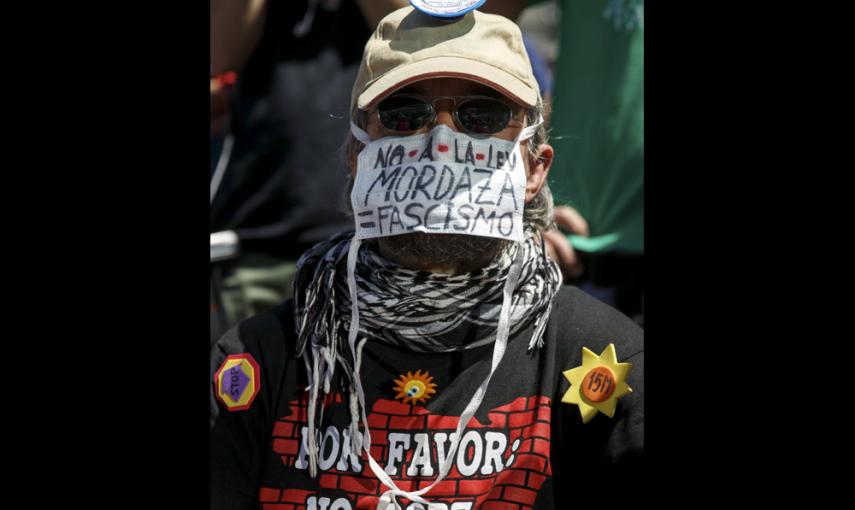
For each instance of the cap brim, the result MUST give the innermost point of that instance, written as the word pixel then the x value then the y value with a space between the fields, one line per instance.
pixel 449 67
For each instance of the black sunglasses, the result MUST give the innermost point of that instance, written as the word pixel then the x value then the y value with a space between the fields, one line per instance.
pixel 473 114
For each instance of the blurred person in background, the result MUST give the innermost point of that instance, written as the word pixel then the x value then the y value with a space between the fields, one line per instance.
pixel 278 168
pixel 598 135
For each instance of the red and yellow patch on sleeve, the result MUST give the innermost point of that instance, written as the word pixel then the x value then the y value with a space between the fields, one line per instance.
pixel 237 381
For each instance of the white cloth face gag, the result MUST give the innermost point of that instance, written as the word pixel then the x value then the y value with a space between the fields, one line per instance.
pixel 440 182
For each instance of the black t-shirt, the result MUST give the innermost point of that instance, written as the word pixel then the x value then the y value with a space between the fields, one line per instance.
pixel 523 449
pixel 282 190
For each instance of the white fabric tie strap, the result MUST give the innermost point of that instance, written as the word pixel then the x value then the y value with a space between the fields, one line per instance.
pixel 359 133
pixel 529 131
pixel 389 498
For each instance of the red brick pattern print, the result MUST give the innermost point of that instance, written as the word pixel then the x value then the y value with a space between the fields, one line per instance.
pixel 509 481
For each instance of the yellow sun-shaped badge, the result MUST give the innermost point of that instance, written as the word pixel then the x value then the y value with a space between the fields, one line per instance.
pixel 414 388
pixel 598 383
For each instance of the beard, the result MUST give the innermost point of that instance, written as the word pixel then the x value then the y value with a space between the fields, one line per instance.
pixel 458 253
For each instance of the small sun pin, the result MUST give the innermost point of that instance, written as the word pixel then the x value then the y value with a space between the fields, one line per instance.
pixel 446 8
pixel 598 383
pixel 415 387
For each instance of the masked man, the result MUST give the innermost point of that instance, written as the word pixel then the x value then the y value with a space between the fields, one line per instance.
pixel 432 358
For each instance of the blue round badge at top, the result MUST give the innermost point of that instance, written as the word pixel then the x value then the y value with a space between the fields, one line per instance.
pixel 446 8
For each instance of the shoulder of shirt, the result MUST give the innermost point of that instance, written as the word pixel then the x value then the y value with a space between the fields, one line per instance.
pixel 579 320
pixel 270 334
pixel 274 325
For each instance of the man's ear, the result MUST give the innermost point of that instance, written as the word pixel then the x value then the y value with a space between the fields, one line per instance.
pixel 538 169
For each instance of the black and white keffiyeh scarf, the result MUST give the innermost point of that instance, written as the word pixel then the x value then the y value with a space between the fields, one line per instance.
pixel 418 310
pixel 411 309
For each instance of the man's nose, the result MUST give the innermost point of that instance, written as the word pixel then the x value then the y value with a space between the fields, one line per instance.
pixel 444 112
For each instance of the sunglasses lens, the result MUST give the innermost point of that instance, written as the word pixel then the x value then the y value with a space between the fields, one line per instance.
pixel 404 113
pixel 483 116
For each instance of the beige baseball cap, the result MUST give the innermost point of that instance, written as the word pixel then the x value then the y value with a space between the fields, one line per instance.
pixel 410 46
